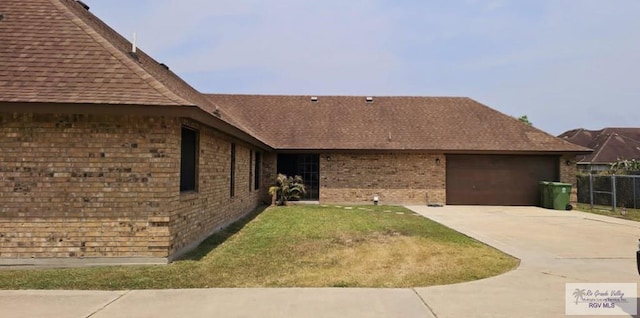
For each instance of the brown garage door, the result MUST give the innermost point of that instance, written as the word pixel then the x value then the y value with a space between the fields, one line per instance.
pixel 497 179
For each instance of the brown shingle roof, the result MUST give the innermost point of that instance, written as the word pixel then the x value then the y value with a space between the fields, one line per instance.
pixel 56 51
pixel 388 123
pixel 609 144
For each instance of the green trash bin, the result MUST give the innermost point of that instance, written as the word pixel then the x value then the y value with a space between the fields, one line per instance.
pixel 560 194
pixel 545 194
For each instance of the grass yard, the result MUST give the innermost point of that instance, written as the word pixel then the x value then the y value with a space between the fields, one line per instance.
pixel 631 214
pixel 301 246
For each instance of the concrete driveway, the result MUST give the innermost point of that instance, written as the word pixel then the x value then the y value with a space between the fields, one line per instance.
pixel 556 247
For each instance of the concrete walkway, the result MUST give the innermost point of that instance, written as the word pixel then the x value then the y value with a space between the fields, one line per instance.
pixel 207 303
pixel 556 247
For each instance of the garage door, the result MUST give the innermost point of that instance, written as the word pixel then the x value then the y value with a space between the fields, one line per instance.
pixel 498 180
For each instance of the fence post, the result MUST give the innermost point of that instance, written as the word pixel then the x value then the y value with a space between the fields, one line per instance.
pixel 613 192
pixel 591 190
pixel 633 179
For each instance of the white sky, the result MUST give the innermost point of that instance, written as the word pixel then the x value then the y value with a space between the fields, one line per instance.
pixel 564 63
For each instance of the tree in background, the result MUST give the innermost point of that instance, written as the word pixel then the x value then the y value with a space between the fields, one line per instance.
pixel 525 120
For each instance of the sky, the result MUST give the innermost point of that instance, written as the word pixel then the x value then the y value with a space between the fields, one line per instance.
pixel 564 63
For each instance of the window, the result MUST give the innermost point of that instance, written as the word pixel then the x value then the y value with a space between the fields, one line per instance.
pixel 257 171
pixel 305 165
pixel 232 182
pixel 250 169
pixel 188 159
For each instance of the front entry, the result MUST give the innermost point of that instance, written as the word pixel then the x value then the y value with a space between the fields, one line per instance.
pixel 305 165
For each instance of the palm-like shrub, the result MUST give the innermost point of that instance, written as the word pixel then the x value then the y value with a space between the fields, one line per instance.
pixel 627 166
pixel 286 189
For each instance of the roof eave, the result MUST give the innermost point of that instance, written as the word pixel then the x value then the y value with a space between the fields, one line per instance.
pixel 188 111
pixel 427 150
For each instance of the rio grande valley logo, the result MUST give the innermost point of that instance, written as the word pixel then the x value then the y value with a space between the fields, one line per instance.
pixel 601 299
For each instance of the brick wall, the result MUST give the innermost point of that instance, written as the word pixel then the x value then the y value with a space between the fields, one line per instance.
pixel 394 178
pixel 270 167
pixel 568 173
pixel 83 185
pixel 108 186
pixel 196 215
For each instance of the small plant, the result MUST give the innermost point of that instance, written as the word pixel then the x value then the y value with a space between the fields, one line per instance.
pixel 525 120
pixel 286 189
pixel 625 166
pixel 341 284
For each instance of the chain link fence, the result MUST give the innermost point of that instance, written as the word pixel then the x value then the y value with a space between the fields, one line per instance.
pixel 616 191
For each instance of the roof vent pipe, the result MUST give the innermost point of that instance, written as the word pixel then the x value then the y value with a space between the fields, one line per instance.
pixel 133 44
pixel 134 50
pixel 84 5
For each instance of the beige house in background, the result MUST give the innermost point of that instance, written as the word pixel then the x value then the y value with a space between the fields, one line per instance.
pixel 107 154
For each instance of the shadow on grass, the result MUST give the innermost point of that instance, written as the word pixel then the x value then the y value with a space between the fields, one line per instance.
pixel 213 241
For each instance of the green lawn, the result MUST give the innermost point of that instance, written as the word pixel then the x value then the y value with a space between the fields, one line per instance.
pixel 301 246
pixel 631 214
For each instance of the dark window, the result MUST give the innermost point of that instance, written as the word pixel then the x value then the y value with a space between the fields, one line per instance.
pixel 256 171
pixel 232 183
pixel 250 169
pixel 305 165
pixel 189 160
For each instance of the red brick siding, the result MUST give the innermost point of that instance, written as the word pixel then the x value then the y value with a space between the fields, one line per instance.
pixel 568 173
pixel 83 185
pixel 269 173
pixel 395 178
pixel 195 215
pixel 108 186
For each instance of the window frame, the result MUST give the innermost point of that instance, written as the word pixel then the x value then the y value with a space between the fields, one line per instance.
pixel 257 170
pixel 250 170
pixel 232 173
pixel 189 174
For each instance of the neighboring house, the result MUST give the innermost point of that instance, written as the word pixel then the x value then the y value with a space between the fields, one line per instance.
pixel 609 145
pixel 105 153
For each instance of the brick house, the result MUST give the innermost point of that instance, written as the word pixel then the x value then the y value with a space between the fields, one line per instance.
pixel 608 144
pixel 107 154
pixel 416 150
